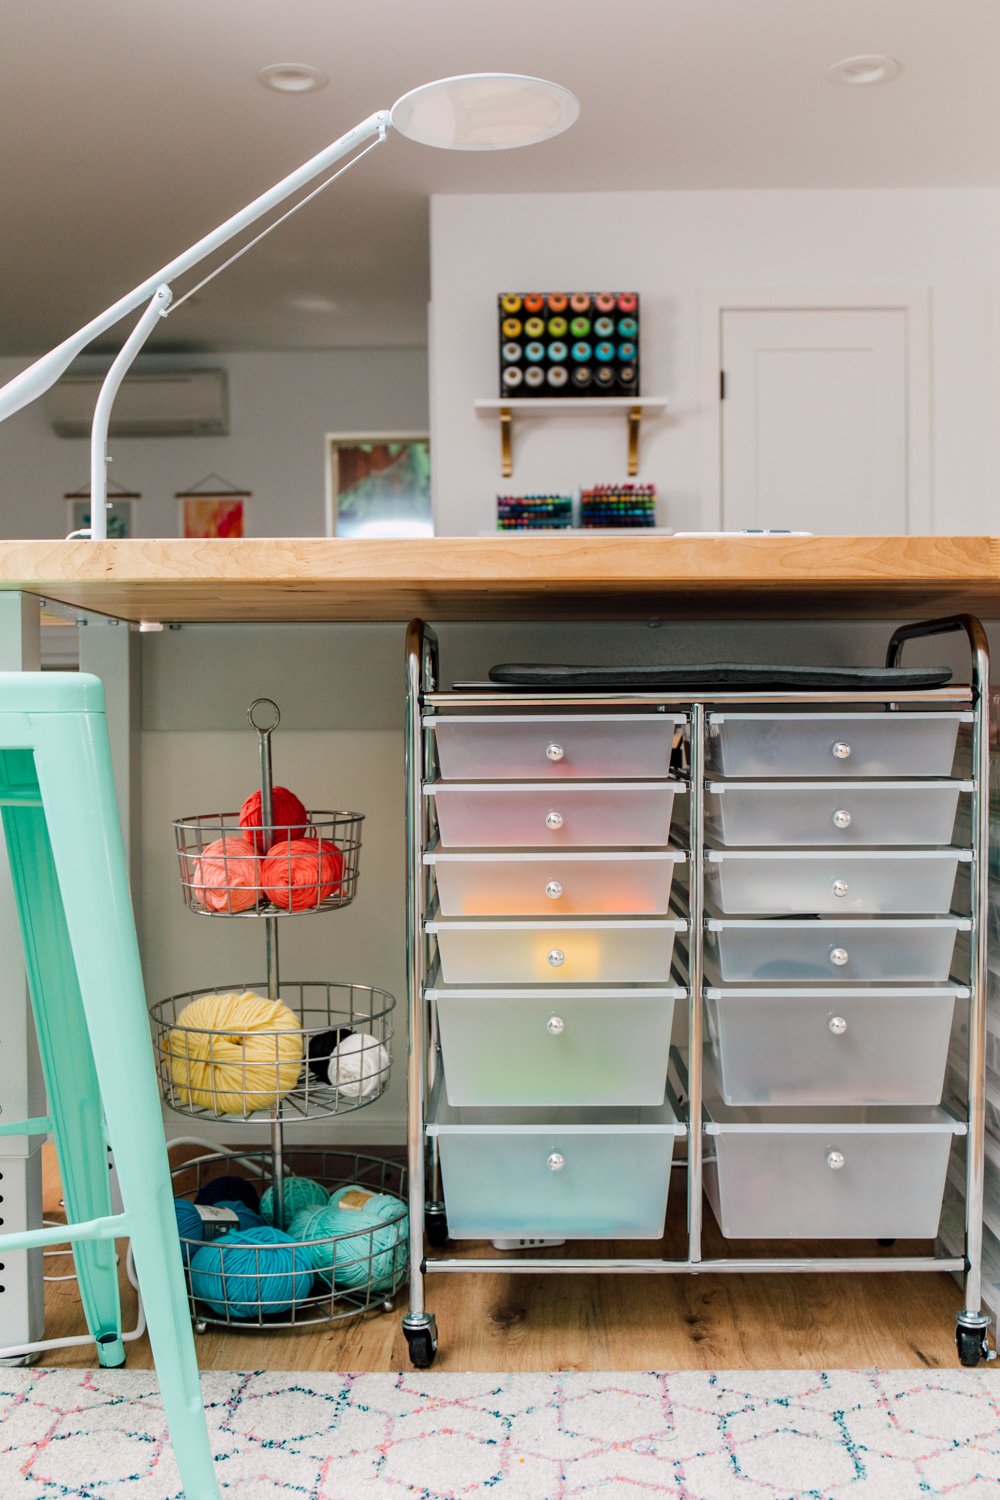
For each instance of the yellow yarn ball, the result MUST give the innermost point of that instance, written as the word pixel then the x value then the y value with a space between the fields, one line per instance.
pixel 250 1062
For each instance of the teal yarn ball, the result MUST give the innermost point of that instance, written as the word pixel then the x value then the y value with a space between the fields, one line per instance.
pixel 364 1249
pixel 189 1226
pixel 251 1274
pixel 300 1193
pixel 300 1224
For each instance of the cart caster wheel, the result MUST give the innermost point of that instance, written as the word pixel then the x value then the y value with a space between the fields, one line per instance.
pixel 422 1343
pixel 436 1226
pixel 388 1305
pixel 200 1327
pixel 972 1345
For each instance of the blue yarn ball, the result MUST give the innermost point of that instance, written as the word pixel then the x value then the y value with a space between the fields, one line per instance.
pixel 189 1226
pixel 229 1188
pixel 300 1193
pixel 246 1216
pixel 369 1236
pixel 251 1274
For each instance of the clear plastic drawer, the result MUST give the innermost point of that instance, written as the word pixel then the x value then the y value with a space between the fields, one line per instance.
pixel 830 1046
pixel 558 815
pixel 593 746
pixel 821 948
pixel 554 884
pixel 828 1174
pixel 582 1174
pixel 783 882
pixel 528 1047
pixel 833 744
pixel 828 812
pixel 599 952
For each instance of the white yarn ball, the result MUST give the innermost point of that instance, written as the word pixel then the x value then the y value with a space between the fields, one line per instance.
pixel 359 1067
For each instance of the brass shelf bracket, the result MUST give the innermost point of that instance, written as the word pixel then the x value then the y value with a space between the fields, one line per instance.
pixel 506 456
pixel 634 423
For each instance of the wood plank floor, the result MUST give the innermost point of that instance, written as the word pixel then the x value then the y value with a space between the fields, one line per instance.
pixel 580 1322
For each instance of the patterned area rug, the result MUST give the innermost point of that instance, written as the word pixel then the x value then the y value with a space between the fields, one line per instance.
pixel 764 1435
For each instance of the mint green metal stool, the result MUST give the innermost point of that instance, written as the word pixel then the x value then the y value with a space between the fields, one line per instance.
pixel 60 820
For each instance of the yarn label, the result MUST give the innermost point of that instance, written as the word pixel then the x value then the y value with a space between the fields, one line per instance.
pixel 355 1199
pixel 216 1221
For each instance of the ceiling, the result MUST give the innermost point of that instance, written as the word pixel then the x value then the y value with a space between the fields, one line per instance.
pixel 130 128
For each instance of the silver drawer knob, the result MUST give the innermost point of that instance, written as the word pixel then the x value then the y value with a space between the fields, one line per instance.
pixel 839 956
pixel 556 1162
pixel 841 818
pixel 554 820
pixel 557 958
pixel 837 1025
pixel 554 890
pixel 840 888
pixel 841 750
pixel 835 1160
pixel 554 752
pixel 555 1026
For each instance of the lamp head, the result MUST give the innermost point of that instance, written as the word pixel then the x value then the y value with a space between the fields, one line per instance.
pixel 485 112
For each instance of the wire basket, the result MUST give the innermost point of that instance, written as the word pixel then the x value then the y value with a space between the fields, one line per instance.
pixel 244 1298
pixel 230 871
pixel 265 1075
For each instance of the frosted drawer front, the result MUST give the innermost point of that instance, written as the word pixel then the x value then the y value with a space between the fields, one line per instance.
pixel 872 812
pixel 582 1175
pixel 525 885
pixel 830 1046
pixel 824 949
pixel 589 745
pixel 860 1177
pixel 568 1049
pixel 523 815
pixel 555 953
pixel 832 744
pixel 826 881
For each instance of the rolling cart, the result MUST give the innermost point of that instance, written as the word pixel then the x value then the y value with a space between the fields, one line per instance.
pixel 588 863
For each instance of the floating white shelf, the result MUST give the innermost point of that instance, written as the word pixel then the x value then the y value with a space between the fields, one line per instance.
pixel 634 408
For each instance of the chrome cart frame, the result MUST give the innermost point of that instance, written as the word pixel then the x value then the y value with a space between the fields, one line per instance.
pixel 427 1209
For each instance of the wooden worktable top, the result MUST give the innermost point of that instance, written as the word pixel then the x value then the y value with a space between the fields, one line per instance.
pixel 569 576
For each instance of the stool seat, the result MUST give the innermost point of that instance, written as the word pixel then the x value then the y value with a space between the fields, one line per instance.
pixel 67 864
pixel 51 693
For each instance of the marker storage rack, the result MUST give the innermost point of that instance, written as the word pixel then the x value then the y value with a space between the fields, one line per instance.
pixel 710 939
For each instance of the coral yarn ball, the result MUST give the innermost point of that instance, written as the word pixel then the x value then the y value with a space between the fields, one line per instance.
pixel 226 875
pixel 302 873
pixel 289 818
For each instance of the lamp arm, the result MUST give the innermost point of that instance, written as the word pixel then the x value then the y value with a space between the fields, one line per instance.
pixel 32 382
pixel 158 307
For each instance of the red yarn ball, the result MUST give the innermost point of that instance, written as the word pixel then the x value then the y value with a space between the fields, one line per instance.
pixel 289 819
pixel 300 873
pixel 226 875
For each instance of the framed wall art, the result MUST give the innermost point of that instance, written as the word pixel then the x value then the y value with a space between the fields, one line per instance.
pixel 379 486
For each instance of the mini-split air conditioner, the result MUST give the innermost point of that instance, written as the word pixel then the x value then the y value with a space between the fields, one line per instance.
pixel 174 403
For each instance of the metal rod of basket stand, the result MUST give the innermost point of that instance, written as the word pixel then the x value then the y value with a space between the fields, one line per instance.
pixel 264 733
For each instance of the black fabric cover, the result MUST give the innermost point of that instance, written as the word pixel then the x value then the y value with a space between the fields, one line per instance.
pixel 695 676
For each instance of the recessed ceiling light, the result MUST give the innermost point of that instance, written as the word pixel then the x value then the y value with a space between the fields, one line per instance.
pixel 292 78
pixel 867 67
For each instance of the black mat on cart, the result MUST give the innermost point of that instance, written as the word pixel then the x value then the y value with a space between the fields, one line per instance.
pixel 698 676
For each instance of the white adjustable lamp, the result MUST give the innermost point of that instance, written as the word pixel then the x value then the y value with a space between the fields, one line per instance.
pixel 474 112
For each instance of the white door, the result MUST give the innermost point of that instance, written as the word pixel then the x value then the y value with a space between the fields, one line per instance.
pixel 814 420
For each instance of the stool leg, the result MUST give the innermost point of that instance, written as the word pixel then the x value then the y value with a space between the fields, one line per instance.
pixel 74 773
pixel 67 1061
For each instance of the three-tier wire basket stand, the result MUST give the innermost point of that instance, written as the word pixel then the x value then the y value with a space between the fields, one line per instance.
pixel 286 1077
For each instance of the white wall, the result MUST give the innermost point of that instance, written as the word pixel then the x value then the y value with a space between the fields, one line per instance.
pixel 670 247
pixel 281 405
